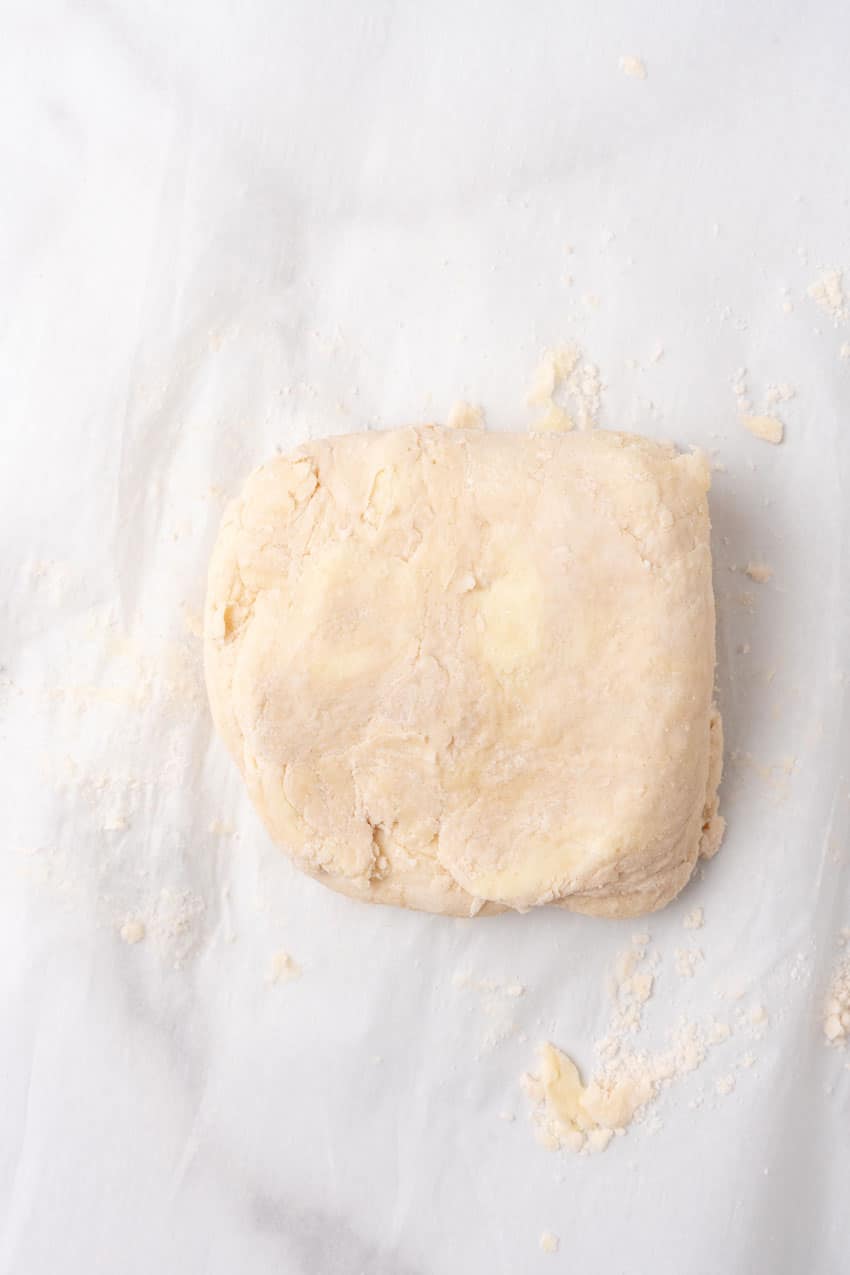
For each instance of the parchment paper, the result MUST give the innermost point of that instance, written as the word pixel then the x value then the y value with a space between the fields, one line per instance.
pixel 226 229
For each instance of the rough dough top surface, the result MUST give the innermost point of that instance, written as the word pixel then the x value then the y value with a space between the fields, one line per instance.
pixel 462 671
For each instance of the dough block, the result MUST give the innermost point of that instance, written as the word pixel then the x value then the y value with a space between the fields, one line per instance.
pixel 466 671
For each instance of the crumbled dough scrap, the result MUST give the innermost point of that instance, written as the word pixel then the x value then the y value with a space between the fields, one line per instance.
pixel 554 420
pixel 569 1110
pixel 554 369
pixel 836 1013
pixel 633 66
pixel 768 428
pixel 828 292
pixel 759 571
pixel 844 351
pixel 694 920
pixel 465 415
pixel 549 1243
pixel 396 625
pixel 687 959
pixel 642 985
pixel 566 374
pixel 565 360
pixel 283 968
pixel 543 382
pixel 133 930
pixel 764 425
pixel 572 1115
pixel 724 1085
pixel 782 393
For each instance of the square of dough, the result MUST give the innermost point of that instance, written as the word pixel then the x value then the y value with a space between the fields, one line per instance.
pixel 466 671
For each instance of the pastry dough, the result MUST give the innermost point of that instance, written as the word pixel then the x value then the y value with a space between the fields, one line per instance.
pixel 466 671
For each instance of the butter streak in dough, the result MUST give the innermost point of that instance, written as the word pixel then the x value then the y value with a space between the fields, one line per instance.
pixel 463 671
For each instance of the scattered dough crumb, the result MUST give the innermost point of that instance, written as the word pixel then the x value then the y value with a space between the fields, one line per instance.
pixel 642 985
pixel 828 293
pixel 836 1015
pixel 633 66
pixel 549 1242
pixel 687 960
pixel 782 393
pixel 567 375
pixel 543 382
pixel 719 1032
pixel 759 571
pixel 694 920
pixel 283 968
pixel 759 1016
pixel 133 930
pixel 584 1118
pixel 725 1084
pixel 465 415
pixel 769 428
pixel 568 1110
pixel 554 421
pixel 495 997
pixel 844 351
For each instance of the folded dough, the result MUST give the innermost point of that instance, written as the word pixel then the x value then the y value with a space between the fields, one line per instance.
pixel 465 671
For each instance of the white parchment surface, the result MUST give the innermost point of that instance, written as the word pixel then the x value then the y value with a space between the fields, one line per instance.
pixel 228 228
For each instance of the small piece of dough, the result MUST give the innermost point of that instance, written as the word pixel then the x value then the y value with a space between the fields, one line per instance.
pixel 768 428
pixel 465 671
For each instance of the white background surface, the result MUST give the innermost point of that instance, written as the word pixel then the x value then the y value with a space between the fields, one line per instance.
pixel 226 229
